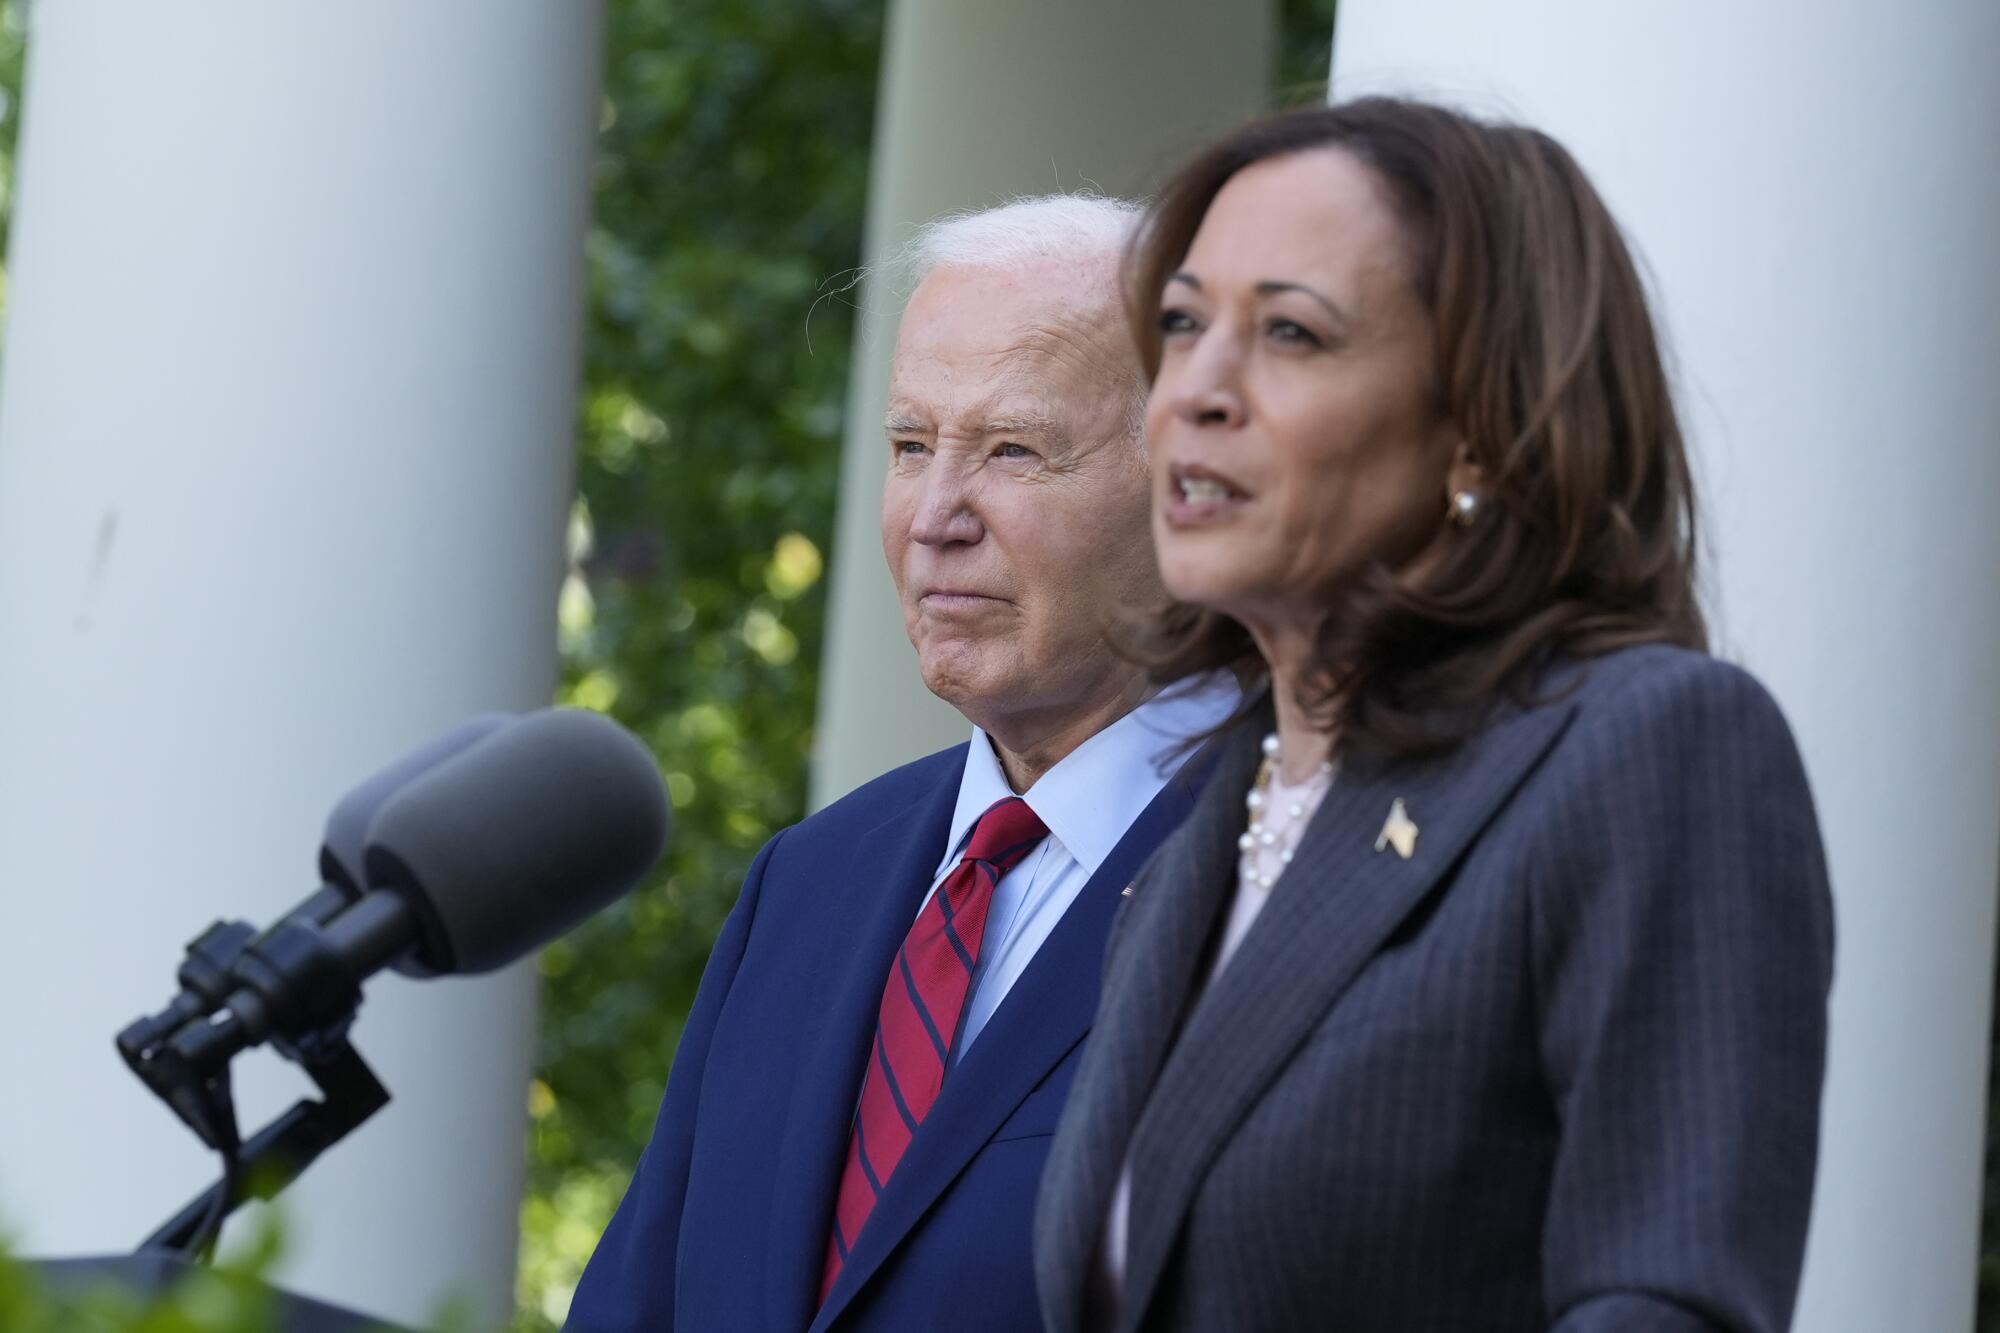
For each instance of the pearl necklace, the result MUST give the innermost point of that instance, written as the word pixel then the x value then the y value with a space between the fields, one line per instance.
pixel 1266 846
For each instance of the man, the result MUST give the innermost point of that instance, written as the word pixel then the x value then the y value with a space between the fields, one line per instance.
pixel 860 1107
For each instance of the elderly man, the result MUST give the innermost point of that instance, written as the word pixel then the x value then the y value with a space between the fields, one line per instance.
pixel 861 1103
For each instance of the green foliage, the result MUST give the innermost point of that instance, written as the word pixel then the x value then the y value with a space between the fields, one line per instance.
pixel 229 1298
pixel 233 1296
pixel 13 51
pixel 1305 51
pixel 206 1302
pixel 731 183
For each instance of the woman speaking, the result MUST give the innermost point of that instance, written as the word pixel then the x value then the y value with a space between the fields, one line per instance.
pixel 1485 989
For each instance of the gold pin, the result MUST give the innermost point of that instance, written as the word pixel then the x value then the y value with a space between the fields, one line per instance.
pixel 1398 831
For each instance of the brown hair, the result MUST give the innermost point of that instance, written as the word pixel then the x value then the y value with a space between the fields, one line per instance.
pixel 1546 363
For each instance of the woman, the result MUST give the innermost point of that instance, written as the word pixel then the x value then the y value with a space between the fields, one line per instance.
pixel 1485 988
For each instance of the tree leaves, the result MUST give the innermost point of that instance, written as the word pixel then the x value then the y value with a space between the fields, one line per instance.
pixel 731 180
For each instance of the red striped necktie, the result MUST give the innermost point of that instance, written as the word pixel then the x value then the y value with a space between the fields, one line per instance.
pixel 917 1025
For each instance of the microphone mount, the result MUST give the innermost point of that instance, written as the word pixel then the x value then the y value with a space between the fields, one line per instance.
pixel 240 988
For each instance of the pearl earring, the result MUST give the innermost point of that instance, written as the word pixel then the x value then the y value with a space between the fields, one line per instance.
pixel 1463 509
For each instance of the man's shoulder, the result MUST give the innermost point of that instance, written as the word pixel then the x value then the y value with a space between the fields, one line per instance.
pixel 875 800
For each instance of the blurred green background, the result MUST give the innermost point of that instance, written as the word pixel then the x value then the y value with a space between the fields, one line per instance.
pixel 730 186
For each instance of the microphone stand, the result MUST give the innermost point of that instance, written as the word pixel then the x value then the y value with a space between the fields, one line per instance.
pixel 277 1154
pixel 288 986
pixel 183 1057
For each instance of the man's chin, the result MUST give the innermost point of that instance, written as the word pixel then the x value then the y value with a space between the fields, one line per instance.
pixel 966 681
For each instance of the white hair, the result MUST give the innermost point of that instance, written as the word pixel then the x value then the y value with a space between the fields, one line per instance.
pixel 1071 228
pixel 1022 232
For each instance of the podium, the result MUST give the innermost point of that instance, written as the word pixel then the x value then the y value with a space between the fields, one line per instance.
pixel 151 1274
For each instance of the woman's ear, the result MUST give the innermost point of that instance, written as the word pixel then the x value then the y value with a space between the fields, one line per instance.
pixel 1464 488
pixel 1464 476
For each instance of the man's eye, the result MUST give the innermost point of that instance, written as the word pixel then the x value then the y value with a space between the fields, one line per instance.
pixel 1012 450
pixel 907 448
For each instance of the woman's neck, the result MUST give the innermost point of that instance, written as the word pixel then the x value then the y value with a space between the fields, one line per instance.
pixel 1304 743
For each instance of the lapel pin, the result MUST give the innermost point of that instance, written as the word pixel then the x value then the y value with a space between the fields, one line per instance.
pixel 1127 893
pixel 1398 831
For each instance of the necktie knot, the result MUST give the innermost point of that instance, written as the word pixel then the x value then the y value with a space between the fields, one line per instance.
pixel 1008 831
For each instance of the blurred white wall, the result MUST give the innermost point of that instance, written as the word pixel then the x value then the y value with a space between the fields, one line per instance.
pixel 1816 187
pixel 981 102
pixel 285 451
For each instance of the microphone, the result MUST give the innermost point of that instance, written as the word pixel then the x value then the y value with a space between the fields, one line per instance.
pixel 206 975
pixel 345 841
pixel 483 858
pixel 538 829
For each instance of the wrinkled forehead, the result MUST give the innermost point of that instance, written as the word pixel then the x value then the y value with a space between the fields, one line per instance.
pixel 1001 343
pixel 1013 405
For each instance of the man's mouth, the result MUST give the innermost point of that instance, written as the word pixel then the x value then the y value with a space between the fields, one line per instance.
pixel 956 599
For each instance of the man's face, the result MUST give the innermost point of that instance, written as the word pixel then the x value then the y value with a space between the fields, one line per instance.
pixel 1015 516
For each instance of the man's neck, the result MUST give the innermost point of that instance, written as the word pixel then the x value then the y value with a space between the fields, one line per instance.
pixel 1030 746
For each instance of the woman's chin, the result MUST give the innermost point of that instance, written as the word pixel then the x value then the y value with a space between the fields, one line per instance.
pixel 1204 586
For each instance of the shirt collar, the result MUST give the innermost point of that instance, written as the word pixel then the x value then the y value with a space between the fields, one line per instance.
pixel 1093 795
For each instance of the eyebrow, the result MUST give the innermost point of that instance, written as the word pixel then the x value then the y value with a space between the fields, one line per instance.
pixel 1024 423
pixel 1021 423
pixel 1271 287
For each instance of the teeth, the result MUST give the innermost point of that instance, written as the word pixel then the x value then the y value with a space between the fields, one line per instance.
pixel 1200 490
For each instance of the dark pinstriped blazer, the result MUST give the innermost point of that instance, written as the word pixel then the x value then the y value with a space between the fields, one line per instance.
pixel 1558 1070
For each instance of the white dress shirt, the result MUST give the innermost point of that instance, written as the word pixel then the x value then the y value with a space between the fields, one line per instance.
pixel 1088 800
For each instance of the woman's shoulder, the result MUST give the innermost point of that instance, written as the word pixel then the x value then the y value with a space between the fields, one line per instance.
pixel 1661 683
pixel 1676 780
pixel 1657 708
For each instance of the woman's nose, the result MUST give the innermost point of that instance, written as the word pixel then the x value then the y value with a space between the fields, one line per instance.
pixel 1205 388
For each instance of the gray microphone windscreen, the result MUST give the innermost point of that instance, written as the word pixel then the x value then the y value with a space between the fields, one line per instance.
pixel 346 840
pixel 526 833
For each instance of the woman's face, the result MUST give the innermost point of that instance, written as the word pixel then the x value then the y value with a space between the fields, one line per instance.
pixel 1294 427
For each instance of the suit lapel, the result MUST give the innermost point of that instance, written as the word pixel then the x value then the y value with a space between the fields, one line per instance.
pixel 1306 946
pixel 1046 1013
pixel 1174 901
pixel 890 872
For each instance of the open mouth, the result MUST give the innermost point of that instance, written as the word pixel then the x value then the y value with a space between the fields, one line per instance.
pixel 1199 486
pixel 1197 490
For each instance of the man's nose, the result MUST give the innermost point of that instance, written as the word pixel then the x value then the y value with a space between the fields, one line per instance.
pixel 946 511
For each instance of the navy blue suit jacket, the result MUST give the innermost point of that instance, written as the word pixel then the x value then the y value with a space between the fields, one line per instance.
pixel 725 1224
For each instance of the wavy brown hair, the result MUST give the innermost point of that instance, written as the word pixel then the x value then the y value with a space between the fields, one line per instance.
pixel 1546 362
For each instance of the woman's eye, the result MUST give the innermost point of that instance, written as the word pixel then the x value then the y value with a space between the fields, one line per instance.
pixel 1292 332
pixel 1174 320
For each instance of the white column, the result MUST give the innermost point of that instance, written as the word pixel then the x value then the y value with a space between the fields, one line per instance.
pixel 981 102
pixel 1816 187
pixel 285 458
